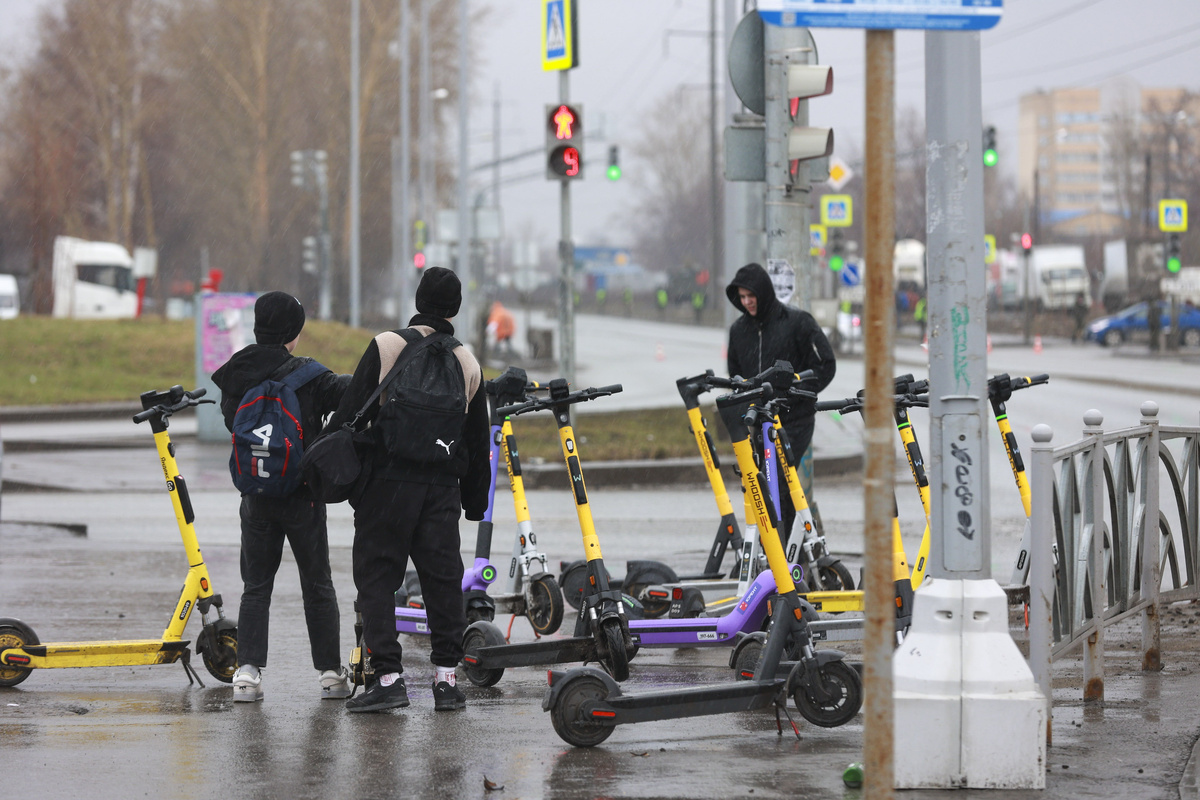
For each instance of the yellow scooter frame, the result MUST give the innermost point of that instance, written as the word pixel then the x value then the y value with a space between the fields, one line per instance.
pixel 21 652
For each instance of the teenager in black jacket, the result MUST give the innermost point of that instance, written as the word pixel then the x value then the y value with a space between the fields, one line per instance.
pixel 299 517
pixel 767 331
pixel 407 509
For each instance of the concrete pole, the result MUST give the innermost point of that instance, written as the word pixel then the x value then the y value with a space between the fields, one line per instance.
pixel 425 123
pixel 786 205
pixel 878 433
pixel 714 290
pixel 958 398
pixel 355 166
pixel 743 230
pixel 402 266
pixel 566 256
pixel 466 319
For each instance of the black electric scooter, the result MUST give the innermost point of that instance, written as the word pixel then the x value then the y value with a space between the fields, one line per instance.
pixel 586 704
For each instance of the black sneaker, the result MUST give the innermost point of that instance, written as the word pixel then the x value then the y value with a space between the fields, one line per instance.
pixel 447 697
pixel 378 697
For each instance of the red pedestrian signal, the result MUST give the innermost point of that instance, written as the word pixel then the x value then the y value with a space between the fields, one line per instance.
pixel 565 161
pixel 564 142
pixel 1027 242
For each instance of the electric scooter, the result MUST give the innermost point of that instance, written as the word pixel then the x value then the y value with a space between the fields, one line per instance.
pixel 586 704
pixel 1000 389
pixel 21 652
pixel 602 629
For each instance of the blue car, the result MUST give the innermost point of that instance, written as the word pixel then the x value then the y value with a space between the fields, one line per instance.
pixel 1130 325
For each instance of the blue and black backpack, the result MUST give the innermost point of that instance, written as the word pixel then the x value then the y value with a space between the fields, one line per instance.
pixel 268 438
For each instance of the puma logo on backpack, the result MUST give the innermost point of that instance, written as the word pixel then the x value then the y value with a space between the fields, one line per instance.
pixel 268 438
pixel 423 416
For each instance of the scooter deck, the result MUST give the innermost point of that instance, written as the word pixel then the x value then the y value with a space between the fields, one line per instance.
pixel 727 698
pixel 537 653
pixel 132 652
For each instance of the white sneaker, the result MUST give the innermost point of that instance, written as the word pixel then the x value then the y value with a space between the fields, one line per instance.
pixel 335 684
pixel 247 684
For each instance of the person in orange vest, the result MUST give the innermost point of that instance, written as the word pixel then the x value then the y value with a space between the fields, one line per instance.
pixel 501 326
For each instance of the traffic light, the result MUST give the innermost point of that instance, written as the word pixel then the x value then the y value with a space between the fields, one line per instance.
pixel 803 142
pixel 614 163
pixel 564 142
pixel 837 250
pixel 419 261
pixel 990 156
pixel 308 255
pixel 1174 260
pixel 1026 242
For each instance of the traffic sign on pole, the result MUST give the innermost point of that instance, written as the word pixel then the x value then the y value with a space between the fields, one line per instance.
pixel 839 173
pixel 851 273
pixel 816 239
pixel 559 35
pixel 989 249
pixel 837 210
pixel 961 15
pixel 1172 216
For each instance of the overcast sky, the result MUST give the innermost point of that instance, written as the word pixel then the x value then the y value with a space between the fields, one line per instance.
pixel 638 53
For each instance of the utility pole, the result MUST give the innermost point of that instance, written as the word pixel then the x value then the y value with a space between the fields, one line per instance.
pixel 355 165
pixel 466 273
pixel 402 228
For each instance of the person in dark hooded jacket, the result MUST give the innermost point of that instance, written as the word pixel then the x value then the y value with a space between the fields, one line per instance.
pixel 768 331
pixel 299 517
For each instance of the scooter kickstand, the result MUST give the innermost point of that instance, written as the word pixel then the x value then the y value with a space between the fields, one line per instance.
pixel 186 660
pixel 781 705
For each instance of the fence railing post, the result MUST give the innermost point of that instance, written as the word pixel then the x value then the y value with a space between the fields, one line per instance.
pixel 1093 520
pixel 1151 572
pixel 1041 565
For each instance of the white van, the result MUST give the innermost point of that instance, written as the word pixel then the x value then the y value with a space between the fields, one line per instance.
pixel 10 298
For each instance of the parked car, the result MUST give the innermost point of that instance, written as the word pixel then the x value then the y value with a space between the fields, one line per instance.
pixel 1130 325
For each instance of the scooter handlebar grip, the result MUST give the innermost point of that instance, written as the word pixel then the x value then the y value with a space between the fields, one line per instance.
pixel 611 389
pixel 835 405
pixel 142 416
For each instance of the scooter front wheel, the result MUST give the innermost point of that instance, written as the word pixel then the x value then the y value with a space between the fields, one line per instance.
pixel 220 654
pixel 481 634
pixel 568 712
pixel 14 633
pixel 544 604
pixel 835 577
pixel 843 685
pixel 614 658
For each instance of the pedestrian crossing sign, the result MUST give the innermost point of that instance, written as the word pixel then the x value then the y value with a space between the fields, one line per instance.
pixel 1172 216
pixel 989 249
pixel 559 34
pixel 816 240
pixel 837 210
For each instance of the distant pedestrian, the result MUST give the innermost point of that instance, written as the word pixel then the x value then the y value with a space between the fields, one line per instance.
pixel 1079 313
pixel 921 316
pixel 298 517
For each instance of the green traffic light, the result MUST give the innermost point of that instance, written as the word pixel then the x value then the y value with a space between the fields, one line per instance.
pixel 836 263
pixel 1174 264
pixel 614 172
pixel 990 157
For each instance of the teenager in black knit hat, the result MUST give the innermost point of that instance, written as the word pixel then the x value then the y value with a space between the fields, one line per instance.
pixel 297 518
pixel 411 509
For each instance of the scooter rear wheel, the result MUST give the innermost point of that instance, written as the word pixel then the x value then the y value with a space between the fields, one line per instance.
pixel 544 604
pixel 616 661
pixel 14 633
pixel 567 713
pixel 481 634
pixel 841 681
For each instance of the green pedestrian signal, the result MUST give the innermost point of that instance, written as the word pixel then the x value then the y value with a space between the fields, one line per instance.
pixel 990 156
pixel 837 250
pixel 1174 257
pixel 614 163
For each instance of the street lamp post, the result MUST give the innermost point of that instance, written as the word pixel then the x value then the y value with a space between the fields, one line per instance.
pixel 310 170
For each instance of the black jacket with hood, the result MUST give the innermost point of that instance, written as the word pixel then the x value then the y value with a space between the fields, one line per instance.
pixel 777 331
pixel 255 363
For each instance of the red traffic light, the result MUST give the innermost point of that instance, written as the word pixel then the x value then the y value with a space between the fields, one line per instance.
pixel 1027 241
pixel 563 121
pixel 419 260
pixel 565 161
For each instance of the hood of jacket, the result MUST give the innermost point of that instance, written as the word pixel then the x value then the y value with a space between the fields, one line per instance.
pixel 249 366
pixel 754 278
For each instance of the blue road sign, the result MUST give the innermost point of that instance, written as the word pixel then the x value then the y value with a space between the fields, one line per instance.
pixel 963 15
pixel 851 273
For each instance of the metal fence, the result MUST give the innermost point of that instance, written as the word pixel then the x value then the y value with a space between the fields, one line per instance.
pixel 1115 534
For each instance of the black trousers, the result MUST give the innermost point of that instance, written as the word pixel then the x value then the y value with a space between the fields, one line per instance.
pixel 266 523
pixel 395 520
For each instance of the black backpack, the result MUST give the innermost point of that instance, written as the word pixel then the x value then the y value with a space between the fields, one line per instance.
pixel 423 417
pixel 268 437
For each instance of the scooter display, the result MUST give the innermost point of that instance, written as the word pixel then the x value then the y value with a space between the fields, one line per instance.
pixel 21 652
pixel 602 629
pixel 586 704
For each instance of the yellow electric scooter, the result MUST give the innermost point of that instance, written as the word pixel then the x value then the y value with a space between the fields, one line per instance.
pixel 21 652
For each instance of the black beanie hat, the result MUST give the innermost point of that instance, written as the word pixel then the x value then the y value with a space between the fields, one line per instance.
pixel 278 318
pixel 440 293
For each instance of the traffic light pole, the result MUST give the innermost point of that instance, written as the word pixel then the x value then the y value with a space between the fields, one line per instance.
pixel 566 259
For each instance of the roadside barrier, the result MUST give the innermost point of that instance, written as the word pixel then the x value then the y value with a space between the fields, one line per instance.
pixel 1115 534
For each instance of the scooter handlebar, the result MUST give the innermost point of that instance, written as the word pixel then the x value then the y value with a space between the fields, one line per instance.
pixel 764 393
pixel 186 400
pixel 538 403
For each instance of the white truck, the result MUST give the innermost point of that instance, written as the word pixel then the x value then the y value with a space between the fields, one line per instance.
pixel 10 298
pixel 908 265
pixel 1059 273
pixel 93 280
